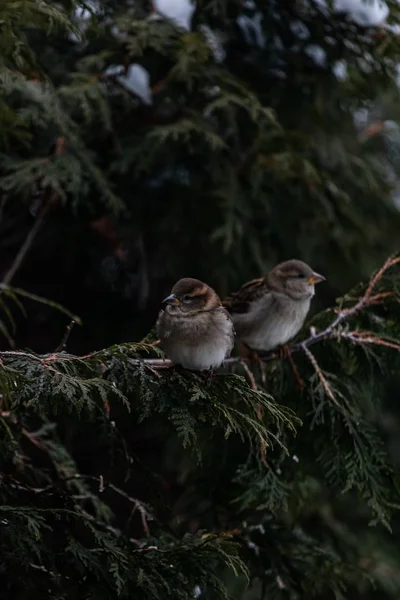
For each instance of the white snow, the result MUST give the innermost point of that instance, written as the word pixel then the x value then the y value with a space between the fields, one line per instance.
pixel 340 70
pixel 82 17
pixel 135 80
pixel 364 64
pixel 317 53
pixel 367 13
pixel 251 29
pixel 214 43
pixel 393 29
pixel 364 12
pixel 119 35
pixel 114 70
pixel 179 12
pixel 300 30
pixel 361 117
pixel 391 127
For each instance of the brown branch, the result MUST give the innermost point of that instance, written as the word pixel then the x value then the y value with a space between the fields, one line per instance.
pixel 296 373
pixel 379 298
pixel 260 409
pixel 144 515
pixel 137 505
pixel 3 201
pixel 320 374
pixel 368 337
pixel 163 363
pixel 30 238
pixel 250 375
pixel 391 262
pixel 64 340
pixel 28 434
pixel 24 249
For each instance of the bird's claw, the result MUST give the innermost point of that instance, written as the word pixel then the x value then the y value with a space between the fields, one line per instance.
pixel 209 374
pixel 284 351
pixel 255 358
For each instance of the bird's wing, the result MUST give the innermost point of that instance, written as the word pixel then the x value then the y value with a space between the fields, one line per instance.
pixel 240 301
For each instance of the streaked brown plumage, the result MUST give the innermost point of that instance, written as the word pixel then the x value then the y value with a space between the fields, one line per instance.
pixel 195 330
pixel 268 312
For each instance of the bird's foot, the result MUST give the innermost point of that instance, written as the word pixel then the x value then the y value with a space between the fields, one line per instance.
pixel 295 370
pixel 256 361
pixel 209 375
pixel 284 351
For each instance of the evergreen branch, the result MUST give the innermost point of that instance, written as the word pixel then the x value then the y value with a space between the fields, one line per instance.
pixel 119 372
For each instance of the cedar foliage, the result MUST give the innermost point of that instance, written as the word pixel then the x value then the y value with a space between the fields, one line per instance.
pixel 120 478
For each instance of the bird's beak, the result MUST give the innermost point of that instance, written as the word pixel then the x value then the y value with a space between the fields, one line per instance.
pixel 171 299
pixel 315 278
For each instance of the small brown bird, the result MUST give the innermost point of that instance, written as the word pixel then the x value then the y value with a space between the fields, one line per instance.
pixel 195 330
pixel 270 311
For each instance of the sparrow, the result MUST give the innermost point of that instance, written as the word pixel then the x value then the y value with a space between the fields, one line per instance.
pixel 195 331
pixel 269 312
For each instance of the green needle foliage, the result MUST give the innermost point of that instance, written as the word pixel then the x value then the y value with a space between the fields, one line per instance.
pixel 85 507
pixel 55 503
pixel 265 131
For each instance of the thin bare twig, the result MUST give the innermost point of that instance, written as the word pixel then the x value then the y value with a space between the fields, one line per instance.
pixel 62 345
pixel 260 410
pixel 24 249
pixel 137 505
pixel 30 238
pixel 368 337
pixel 250 375
pixel 28 434
pixel 320 374
pixel 144 515
pixel 295 370
pixel 3 201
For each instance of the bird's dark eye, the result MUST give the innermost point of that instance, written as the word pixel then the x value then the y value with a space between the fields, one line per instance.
pixel 300 275
pixel 187 298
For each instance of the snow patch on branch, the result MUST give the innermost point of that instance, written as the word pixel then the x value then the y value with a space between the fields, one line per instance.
pixel 180 12
pixel 317 53
pixel 367 13
pixel 135 80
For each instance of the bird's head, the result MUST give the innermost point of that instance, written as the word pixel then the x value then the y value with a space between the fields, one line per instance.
pixel 189 296
pixel 295 278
